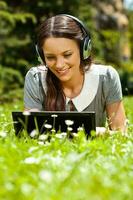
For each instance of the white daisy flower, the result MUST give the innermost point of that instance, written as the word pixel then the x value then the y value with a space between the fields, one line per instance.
pixel 53 130
pixel 31 160
pixel 43 137
pixel 75 134
pixel 80 129
pixel 59 135
pixel 100 130
pixel 47 143
pixel 26 188
pixel 26 113
pixel 45 175
pixel 2 115
pixel 33 133
pixel 69 122
pixel 113 148
pixel 69 129
pixel 31 149
pixel 3 134
pixel 64 134
pixel 54 115
pixel 48 126
pixel 40 142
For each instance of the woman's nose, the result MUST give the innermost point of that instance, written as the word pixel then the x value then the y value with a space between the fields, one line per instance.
pixel 59 62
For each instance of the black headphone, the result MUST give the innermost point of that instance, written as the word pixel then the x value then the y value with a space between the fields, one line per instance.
pixel 85 47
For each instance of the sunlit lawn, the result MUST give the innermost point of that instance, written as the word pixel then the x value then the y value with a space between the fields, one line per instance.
pixel 97 169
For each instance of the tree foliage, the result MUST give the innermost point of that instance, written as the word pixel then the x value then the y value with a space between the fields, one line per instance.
pixel 19 19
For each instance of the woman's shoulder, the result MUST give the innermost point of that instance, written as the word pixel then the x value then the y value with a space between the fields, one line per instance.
pixel 105 70
pixel 36 70
pixel 35 74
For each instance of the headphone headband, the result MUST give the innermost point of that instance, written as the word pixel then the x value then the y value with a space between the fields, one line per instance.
pixel 85 47
pixel 79 22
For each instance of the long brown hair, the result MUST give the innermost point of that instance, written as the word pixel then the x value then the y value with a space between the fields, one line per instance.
pixel 58 26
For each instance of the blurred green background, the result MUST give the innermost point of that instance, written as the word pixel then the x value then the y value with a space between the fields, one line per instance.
pixel 109 22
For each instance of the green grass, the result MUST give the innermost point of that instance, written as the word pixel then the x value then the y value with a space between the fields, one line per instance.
pixel 97 169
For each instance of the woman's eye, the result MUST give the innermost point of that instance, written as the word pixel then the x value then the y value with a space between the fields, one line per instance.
pixel 67 55
pixel 50 58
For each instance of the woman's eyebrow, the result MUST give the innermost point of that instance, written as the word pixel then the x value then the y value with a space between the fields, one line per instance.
pixel 51 54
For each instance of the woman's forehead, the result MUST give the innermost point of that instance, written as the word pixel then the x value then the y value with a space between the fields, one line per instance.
pixel 53 44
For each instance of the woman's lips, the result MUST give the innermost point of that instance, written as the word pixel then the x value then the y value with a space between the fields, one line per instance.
pixel 63 71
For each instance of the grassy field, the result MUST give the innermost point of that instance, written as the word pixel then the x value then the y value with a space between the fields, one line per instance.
pixel 97 169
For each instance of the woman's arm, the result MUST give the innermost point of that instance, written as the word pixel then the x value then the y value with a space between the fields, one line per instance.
pixel 33 96
pixel 116 116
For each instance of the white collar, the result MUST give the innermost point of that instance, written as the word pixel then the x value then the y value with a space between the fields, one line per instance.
pixel 89 89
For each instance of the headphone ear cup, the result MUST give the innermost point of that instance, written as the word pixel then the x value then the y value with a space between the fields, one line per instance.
pixel 86 48
pixel 40 54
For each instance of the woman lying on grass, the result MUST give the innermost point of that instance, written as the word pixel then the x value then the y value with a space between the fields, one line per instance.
pixel 68 79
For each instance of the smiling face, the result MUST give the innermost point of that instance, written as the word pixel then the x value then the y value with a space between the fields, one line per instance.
pixel 62 56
